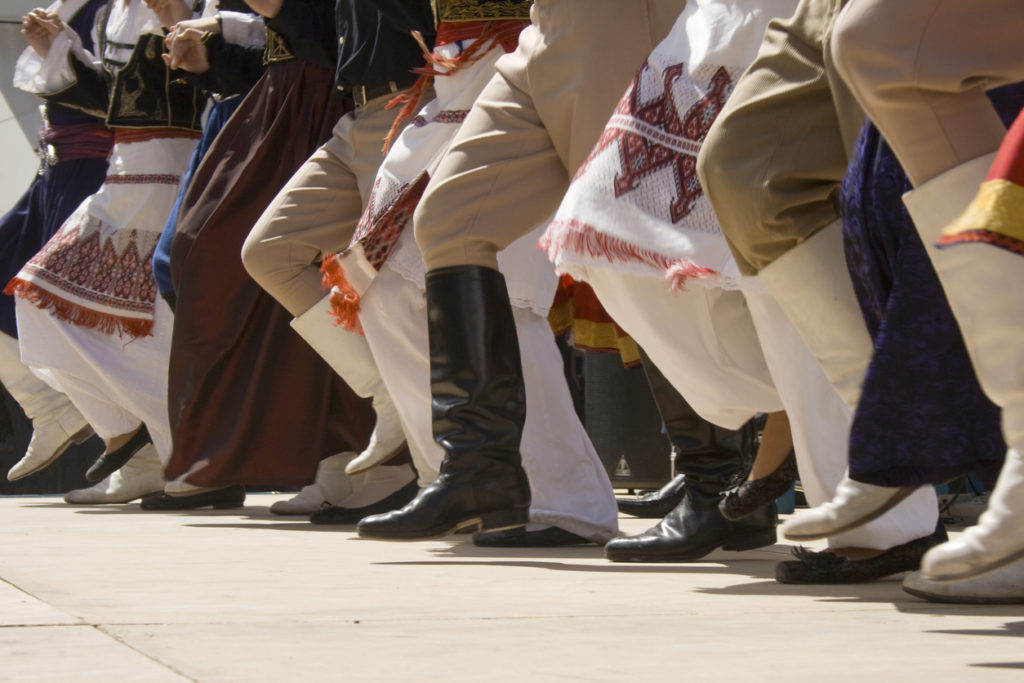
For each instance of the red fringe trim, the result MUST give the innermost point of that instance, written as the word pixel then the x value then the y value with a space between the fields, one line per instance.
pixel 77 315
pixel 344 299
pixel 996 239
pixel 488 34
pixel 580 238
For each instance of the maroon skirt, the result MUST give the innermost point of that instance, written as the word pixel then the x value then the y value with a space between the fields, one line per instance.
pixel 250 402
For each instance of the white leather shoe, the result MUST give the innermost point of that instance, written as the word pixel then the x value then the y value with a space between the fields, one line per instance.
pixel 998 587
pixel 141 476
pixel 996 541
pixel 56 423
pixel 52 434
pixel 387 439
pixel 331 486
pixel 854 504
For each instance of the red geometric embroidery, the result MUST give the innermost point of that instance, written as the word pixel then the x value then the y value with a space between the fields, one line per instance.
pixel 444 116
pixel 92 270
pixel 142 180
pixel 641 155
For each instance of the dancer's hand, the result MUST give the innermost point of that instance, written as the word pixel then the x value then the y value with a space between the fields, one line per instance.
pixel 40 28
pixel 204 24
pixel 186 50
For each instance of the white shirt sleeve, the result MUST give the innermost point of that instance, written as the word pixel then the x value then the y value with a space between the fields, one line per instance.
pixel 243 29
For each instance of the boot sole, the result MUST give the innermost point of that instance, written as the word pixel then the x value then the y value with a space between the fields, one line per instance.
pixel 966 600
pixel 499 520
pixel 760 539
pixel 898 498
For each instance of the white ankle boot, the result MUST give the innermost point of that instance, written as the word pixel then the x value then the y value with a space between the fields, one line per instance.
pixel 141 476
pixel 854 505
pixel 349 355
pixel 998 587
pixel 56 423
pixel 331 486
pixel 983 284
pixel 811 284
pixel 996 541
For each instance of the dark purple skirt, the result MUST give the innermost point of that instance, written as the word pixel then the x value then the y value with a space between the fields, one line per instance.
pixel 922 416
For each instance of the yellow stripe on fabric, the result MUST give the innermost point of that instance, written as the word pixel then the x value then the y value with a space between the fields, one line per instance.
pixel 603 336
pixel 997 208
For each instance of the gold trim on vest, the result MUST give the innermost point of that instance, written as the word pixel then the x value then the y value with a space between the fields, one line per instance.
pixel 476 10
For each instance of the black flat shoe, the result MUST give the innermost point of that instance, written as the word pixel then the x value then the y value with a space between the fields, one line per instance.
pixel 828 568
pixel 552 537
pixel 740 501
pixel 656 504
pixel 219 499
pixel 335 514
pixel 108 463
pixel 691 531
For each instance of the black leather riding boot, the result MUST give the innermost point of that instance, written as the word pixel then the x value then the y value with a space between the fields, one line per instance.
pixel 696 527
pixel 691 436
pixel 479 408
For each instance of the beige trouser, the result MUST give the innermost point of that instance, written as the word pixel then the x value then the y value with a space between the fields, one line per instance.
pixel 534 124
pixel 316 212
pixel 773 161
pixel 920 68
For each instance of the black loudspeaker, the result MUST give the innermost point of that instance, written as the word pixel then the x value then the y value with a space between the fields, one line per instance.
pixel 66 473
pixel 623 421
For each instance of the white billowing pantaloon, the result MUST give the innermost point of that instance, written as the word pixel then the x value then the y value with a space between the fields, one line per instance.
pixel 115 384
pixel 570 488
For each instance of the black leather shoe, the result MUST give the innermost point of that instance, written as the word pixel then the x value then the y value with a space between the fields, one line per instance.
pixel 740 501
pixel 552 537
pixel 828 568
pixel 656 504
pixel 335 514
pixel 689 533
pixel 108 463
pixel 219 499
pixel 454 502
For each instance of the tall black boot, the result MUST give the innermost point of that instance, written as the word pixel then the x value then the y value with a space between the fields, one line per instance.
pixel 696 527
pixel 479 408
pixel 691 436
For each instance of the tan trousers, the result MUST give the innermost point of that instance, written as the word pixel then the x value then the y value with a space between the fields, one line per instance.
pixel 534 124
pixel 773 161
pixel 317 210
pixel 920 68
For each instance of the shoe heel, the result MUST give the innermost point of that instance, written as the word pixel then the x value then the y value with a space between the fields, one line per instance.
pixel 504 519
pixel 228 504
pixel 83 435
pixel 751 541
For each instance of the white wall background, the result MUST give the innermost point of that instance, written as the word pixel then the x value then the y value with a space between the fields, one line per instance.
pixel 19 112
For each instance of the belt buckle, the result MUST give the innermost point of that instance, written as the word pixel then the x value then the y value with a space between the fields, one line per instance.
pixel 359 95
